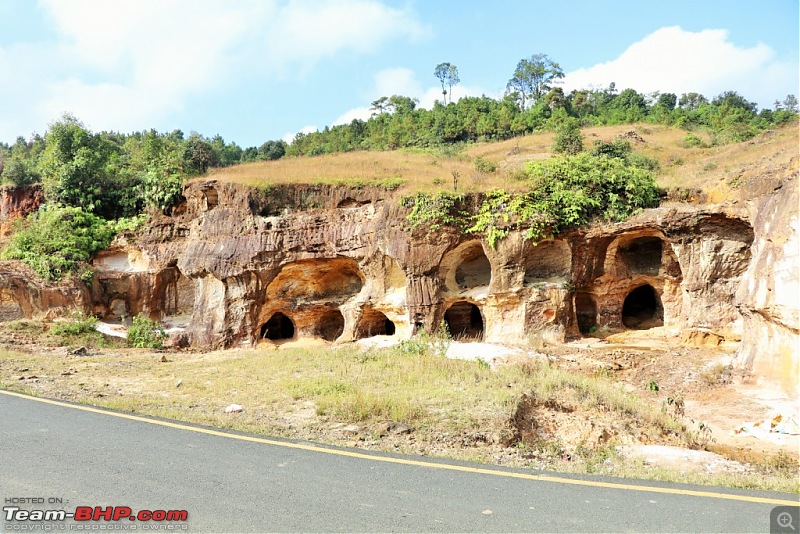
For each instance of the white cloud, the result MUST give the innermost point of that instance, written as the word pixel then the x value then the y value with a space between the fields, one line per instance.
pixel 311 30
pixel 289 136
pixel 352 114
pixel 397 81
pixel 678 61
pixel 126 64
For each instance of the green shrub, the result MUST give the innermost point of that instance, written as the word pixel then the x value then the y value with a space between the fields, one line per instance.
pixel 618 148
pixel 144 333
pixel 484 165
pixel 79 325
pixel 565 193
pixel 162 189
pixel 433 210
pixel 55 240
pixel 690 140
pixel 568 138
pixel 643 162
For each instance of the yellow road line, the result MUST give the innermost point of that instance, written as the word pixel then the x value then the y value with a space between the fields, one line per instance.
pixel 408 461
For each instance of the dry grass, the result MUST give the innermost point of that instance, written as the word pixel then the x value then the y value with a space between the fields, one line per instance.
pixel 414 170
pixel 406 384
pixel 716 170
pixel 344 395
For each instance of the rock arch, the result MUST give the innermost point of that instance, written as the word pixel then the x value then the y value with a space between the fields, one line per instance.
pixel 178 295
pixel 330 325
pixel 548 261
pixel 642 308
pixel 466 267
pixel 374 323
pixel 211 197
pixel 642 253
pixel 316 280
pixel 464 321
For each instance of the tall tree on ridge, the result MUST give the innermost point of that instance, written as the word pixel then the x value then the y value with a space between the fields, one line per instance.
pixel 533 77
pixel 447 74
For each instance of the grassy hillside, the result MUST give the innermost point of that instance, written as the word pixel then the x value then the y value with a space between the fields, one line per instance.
pixel 717 170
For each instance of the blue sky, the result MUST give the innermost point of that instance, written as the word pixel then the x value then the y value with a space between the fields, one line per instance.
pixel 255 70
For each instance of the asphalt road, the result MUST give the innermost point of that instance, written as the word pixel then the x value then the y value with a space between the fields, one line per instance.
pixel 236 483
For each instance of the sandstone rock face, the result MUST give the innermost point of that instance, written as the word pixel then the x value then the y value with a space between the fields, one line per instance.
pixel 236 266
pixel 18 202
pixel 769 296
pixel 24 296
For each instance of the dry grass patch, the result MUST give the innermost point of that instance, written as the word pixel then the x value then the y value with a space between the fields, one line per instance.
pixel 426 392
pixel 718 170
pixel 348 396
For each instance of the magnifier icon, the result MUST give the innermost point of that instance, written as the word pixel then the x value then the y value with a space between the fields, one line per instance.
pixel 784 520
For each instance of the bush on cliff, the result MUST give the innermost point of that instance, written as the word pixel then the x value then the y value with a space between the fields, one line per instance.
pixel 55 240
pixel 562 193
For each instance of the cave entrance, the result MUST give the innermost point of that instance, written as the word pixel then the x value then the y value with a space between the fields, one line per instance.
pixel 586 313
pixel 331 325
pixel 374 323
pixel 316 281
pixel 464 321
pixel 642 308
pixel 642 255
pixel 475 270
pixel 278 327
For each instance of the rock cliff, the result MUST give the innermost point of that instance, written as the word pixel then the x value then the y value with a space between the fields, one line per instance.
pixel 340 264
pixel 232 266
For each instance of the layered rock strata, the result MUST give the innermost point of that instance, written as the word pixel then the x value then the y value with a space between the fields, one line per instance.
pixel 235 266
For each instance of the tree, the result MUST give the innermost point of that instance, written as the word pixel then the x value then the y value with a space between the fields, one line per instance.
pixel 667 101
pixel 199 155
pixel 72 167
pixel 568 138
pixel 447 74
pixel 628 106
pixel 555 98
pixel 533 78
pixel 272 150
pixel 378 106
pixel 691 101
pixel 19 167
pixel 732 99
pixel 790 103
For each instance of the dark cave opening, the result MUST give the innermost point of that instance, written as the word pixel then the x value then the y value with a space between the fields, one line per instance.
pixel 374 323
pixel 642 308
pixel 331 325
pixel 464 321
pixel 586 313
pixel 278 327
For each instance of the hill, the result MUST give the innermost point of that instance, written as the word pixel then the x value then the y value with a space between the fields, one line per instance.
pixel 687 161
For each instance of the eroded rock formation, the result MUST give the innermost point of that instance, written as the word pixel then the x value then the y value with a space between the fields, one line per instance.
pixel 341 264
pixel 769 296
pixel 16 202
pixel 235 266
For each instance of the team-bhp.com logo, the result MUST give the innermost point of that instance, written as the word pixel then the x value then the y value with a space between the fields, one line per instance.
pixel 88 518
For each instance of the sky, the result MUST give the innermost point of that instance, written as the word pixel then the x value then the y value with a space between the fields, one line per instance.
pixel 258 70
